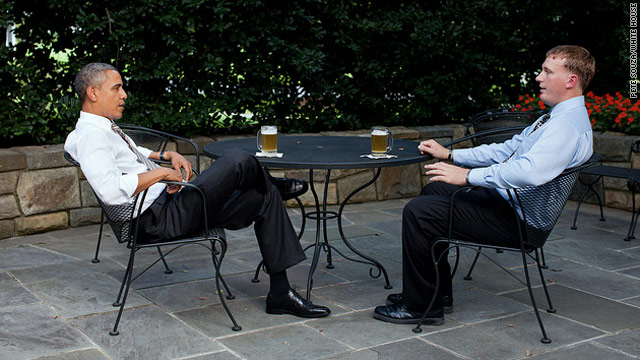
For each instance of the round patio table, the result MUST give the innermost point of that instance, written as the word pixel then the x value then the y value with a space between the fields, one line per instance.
pixel 327 153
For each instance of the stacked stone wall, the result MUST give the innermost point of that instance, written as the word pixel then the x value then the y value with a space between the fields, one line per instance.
pixel 40 191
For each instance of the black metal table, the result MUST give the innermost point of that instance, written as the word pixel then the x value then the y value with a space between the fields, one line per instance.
pixel 327 153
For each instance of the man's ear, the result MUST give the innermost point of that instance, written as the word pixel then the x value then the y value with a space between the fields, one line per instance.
pixel 572 82
pixel 91 93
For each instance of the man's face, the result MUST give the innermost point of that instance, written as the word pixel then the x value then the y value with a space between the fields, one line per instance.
pixel 110 96
pixel 553 81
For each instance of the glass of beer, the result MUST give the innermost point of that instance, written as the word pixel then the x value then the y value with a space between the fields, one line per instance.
pixel 268 139
pixel 381 140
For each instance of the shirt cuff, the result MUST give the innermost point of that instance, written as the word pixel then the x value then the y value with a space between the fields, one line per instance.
pixel 129 183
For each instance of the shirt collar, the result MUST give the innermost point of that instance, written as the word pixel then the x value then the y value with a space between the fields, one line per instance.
pixel 94 119
pixel 568 104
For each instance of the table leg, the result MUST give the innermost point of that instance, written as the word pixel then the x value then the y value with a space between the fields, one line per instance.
pixel 323 215
pixel 318 216
pixel 371 261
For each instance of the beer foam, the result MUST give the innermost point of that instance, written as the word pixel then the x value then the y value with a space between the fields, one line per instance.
pixel 377 132
pixel 271 130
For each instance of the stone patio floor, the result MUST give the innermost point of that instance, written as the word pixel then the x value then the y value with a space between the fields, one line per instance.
pixel 56 304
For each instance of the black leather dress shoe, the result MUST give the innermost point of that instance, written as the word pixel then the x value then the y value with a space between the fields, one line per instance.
pixel 290 188
pixel 399 314
pixel 447 301
pixel 294 304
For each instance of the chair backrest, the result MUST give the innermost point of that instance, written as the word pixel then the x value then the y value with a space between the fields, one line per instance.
pixel 120 217
pixel 157 140
pixel 542 205
pixel 511 121
pixel 145 137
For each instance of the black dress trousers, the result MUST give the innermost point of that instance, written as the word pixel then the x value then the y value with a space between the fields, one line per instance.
pixel 480 215
pixel 238 193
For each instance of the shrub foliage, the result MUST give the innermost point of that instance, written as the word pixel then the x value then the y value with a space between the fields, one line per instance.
pixel 212 66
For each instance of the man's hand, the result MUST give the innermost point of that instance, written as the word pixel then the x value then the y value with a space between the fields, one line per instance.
pixel 147 179
pixel 178 161
pixel 173 175
pixel 447 173
pixel 434 149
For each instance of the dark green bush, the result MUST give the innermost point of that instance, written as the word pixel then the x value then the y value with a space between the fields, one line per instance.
pixel 197 66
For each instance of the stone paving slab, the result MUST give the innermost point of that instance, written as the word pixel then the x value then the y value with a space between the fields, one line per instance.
pixel 586 308
pixel 89 354
pixel 249 313
pixel 84 295
pixel 626 341
pixel 145 333
pixel 13 294
pixel 598 256
pixel 404 349
pixel 511 337
pixel 21 257
pixel 67 270
pixel 221 355
pixel 193 294
pixel 581 276
pixel 360 330
pixel 287 342
pixel 472 306
pixel 183 270
pixel 586 351
pixel 34 331
pixel 83 246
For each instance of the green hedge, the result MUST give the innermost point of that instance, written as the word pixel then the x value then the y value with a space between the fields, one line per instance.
pixel 200 66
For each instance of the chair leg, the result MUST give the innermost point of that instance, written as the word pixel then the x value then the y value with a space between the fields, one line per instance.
pixel 95 258
pixel 126 284
pixel 167 270
pixel 230 296
pixel 255 277
pixel 216 266
pixel 584 194
pixel 473 264
pixel 634 218
pixel 545 339
pixel 455 265
pixel 544 284
pixel 544 262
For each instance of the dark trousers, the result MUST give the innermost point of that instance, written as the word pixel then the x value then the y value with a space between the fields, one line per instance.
pixel 238 193
pixel 480 215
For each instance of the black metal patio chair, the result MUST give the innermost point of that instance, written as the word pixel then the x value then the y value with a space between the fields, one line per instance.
pixel 154 140
pixel 536 209
pixel 598 173
pixel 125 228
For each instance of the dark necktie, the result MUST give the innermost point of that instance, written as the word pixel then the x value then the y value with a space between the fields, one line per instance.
pixel 540 123
pixel 141 158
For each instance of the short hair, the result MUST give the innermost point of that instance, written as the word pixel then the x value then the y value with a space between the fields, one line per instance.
pixel 578 60
pixel 93 74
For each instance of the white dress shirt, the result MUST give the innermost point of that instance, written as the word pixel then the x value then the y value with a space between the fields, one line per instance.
pixel 107 161
pixel 564 141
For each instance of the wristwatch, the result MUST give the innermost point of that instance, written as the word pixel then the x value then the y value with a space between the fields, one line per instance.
pixel 162 155
pixel 466 179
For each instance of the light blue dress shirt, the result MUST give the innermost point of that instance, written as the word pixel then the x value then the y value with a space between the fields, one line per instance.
pixel 564 141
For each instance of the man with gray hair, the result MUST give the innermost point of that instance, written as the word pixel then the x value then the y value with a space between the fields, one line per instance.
pixel 238 191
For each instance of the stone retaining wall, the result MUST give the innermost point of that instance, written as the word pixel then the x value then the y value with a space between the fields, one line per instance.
pixel 40 191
